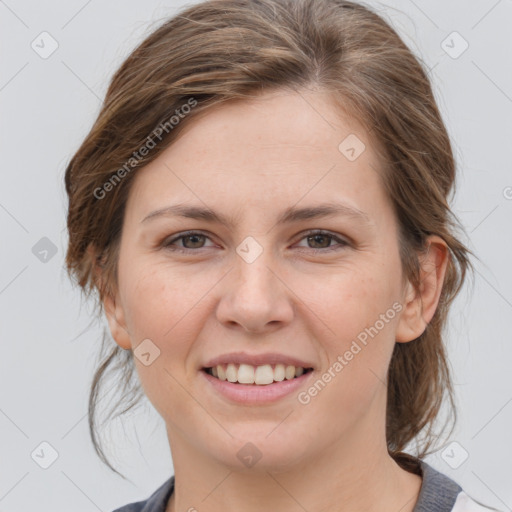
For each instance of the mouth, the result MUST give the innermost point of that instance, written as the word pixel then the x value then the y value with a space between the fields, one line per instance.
pixel 250 375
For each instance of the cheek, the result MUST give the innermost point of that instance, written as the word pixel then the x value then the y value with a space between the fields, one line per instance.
pixel 158 299
pixel 159 306
pixel 359 313
pixel 352 299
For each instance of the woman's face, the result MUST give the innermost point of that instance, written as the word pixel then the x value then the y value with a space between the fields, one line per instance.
pixel 258 283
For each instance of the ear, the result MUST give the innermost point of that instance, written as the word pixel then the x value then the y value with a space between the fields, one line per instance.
pixel 116 321
pixel 112 306
pixel 420 305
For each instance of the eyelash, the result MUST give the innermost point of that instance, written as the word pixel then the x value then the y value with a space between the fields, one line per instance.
pixel 166 244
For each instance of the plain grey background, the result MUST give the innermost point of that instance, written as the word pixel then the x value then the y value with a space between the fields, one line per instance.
pixel 48 103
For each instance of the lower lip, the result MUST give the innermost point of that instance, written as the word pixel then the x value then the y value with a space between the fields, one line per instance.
pixel 256 394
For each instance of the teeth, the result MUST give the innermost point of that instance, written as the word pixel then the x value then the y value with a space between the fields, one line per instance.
pixel 279 372
pixel 231 373
pixel 259 375
pixel 263 374
pixel 289 372
pixel 246 374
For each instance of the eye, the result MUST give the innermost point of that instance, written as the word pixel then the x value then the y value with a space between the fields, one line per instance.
pixel 191 240
pixel 323 239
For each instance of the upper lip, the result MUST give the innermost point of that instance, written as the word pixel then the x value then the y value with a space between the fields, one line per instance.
pixel 257 359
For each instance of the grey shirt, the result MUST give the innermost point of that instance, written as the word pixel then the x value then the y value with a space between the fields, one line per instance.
pixel 438 494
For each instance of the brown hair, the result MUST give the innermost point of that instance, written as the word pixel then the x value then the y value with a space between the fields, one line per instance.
pixel 220 50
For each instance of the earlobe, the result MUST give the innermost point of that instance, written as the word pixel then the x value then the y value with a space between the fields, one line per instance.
pixel 420 305
pixel 116 322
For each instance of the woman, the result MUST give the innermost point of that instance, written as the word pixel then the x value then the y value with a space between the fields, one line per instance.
pixel 262 208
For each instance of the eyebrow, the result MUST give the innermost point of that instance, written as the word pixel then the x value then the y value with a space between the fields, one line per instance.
pixel 288 216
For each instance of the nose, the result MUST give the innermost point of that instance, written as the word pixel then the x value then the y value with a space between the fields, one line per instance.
pixel 255 296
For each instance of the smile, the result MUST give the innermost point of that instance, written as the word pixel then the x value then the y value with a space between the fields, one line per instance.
pixel 255 375
pixel 255 385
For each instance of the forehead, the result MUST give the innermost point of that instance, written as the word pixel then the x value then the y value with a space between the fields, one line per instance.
pixel 285 125
pixel 269 150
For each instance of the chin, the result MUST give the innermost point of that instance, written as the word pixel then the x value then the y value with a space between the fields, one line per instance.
pixel 256 451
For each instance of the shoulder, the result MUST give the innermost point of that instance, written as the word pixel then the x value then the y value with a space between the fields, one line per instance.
pixel 440 493
pixel 157 502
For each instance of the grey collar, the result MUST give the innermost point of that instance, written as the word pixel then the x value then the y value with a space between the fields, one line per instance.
pixel 438 492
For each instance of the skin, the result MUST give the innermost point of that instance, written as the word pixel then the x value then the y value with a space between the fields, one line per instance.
pixel 249 160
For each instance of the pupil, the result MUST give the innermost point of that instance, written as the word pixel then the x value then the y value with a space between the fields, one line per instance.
pixel 316 237
pixel 192 237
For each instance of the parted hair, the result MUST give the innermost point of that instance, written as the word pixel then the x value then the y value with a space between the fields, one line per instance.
pixel 220 50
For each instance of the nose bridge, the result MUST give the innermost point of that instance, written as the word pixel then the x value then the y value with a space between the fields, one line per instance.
pixel 252 274
pixel 254 295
